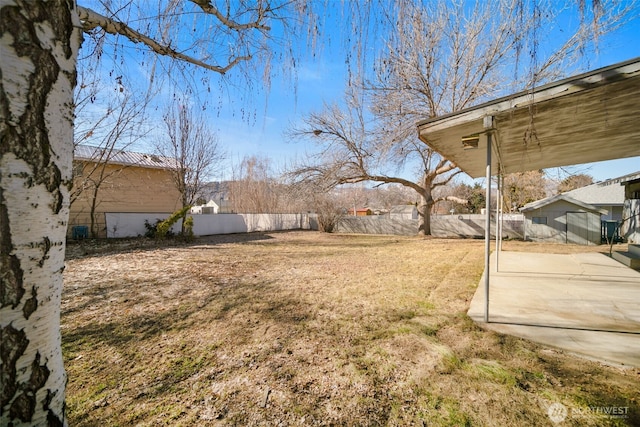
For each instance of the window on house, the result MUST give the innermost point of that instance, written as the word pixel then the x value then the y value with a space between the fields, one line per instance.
pixel 539 220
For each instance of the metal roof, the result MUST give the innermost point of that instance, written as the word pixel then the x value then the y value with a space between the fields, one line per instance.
pixel 586 118
pixel 89 153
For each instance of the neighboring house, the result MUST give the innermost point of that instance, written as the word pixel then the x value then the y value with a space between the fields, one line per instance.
pixel 218 192
pixel 119 181
pixel 403 212
pixel 360 212
pixel 213 207
pixel 608 195
pixel 630 228
pixel 562 219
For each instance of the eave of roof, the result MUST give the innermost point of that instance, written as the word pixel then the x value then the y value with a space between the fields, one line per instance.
pixel 630 178
pixel 582 119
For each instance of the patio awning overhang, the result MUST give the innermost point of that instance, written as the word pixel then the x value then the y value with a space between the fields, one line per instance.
pixel 591 117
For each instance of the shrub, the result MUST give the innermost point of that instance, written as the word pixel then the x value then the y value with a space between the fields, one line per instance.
pixel 188 228
pixel 328 215
pixel 152 229
pixel 164 227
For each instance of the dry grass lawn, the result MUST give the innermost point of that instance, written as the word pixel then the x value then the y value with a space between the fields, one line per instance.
pixel 305 328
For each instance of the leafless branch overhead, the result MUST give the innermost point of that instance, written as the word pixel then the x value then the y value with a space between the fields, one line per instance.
pixel 91 19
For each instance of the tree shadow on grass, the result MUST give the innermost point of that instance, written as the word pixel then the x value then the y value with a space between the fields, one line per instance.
pixel 104 247
pixel 258 299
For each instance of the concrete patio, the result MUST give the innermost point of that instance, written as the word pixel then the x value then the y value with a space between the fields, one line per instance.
pixel 587 303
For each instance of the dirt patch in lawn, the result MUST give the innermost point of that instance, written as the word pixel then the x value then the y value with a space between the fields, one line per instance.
pixel 306 328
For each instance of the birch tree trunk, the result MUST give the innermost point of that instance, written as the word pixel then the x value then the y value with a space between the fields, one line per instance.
pixel 39 42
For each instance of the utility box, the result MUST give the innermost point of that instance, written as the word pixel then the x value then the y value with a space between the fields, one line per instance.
pixel 79 232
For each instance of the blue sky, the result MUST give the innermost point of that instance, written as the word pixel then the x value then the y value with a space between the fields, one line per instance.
pixel 323 82
pixel 256 127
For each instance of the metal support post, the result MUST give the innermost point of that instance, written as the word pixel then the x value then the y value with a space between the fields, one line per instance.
pixel 488 124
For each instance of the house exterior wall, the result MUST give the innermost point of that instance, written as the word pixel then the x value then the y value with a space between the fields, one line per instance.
pixel 614 213
pixel 555 229
pixel 124 189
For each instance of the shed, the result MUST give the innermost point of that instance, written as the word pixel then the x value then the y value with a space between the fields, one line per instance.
pixel 562 219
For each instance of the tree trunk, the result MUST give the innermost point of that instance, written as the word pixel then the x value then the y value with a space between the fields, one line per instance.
pixel 39 42
pixel 424 208
pixel 424 216
pixel 92 211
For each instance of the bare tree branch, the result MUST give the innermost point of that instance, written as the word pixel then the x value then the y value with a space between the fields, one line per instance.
pixel 195 149
pixel 92 19
pixel 207 7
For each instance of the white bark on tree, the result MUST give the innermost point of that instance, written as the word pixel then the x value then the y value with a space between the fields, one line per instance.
pixel 39 42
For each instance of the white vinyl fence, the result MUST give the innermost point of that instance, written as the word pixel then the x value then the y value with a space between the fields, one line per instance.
pixel 132 224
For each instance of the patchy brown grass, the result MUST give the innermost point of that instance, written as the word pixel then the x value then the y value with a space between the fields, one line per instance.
pixel 305 328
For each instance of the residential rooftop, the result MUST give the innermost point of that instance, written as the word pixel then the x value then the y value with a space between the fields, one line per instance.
pixel 116 156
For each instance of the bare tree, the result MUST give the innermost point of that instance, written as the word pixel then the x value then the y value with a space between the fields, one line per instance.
pixel 258 188
pixel 352 197
pixel 523 187
pixel 391 195
pixel 437 57
pixel 40 42
pixel 194 148
pixel 252 187
pixel 574 181
pixel 355 148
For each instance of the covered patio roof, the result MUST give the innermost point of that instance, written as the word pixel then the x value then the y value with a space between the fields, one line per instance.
pixel 591 117
pixel 587 118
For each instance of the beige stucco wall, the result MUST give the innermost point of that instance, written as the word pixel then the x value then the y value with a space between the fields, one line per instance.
pixel 125 189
